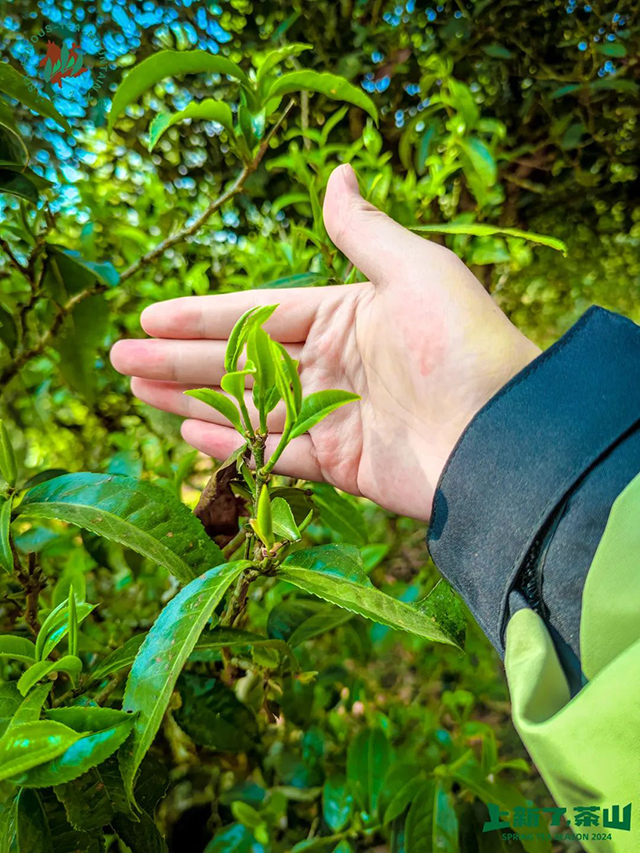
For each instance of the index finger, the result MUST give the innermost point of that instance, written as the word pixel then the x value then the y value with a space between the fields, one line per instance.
pixel 214 316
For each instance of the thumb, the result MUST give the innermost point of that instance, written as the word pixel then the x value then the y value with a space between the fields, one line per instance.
pixel 373 242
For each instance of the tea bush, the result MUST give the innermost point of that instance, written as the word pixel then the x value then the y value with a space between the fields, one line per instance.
pixel 199 657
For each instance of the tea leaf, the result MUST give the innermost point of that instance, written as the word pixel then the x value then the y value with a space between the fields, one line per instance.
pixel 431 819
pixel 284 524
pixel 273 59
pixel 69 663
pixel 317 406
pixel 206 110
pixel 170 63
pixel 141 516
pixel 17 648
pixel 162 656
pixel 29 744
pixel 256 316
pixel 56 626
pixel 477 229
pixel 20 88
pixel 336 573
pixel 220 403
pixel 8 464
pixel 327 84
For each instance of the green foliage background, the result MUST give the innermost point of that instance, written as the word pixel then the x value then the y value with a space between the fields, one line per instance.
pixel 517 115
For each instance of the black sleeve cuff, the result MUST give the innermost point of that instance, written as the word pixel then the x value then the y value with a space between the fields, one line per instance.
pixel 524 453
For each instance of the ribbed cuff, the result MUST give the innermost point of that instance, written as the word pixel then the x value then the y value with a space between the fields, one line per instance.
pixel 524 451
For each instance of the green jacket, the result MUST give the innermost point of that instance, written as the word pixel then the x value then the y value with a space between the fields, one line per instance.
pixel 536 522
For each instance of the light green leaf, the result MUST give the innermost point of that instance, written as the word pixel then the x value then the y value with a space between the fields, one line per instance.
pixel 336 573
pixel 264 517
pixel 162 656
pixel 21 89
pixel 87 752
pixel 220 403
pixel 234 383
pixel 31 706
pixel 317 406
pixel 262 354
pixel 255 316
pixel 284 524
pixel 170 63
pixel 327 84
pixel 275 57
pixel 17 648
pixel 88 718
pixel 144 517
pixel 29 744
pixel 56 626
pixel 481 159
pixel 6 557
pixel 8 462
pixel 477 229
pixel 207 110
pixel 37 671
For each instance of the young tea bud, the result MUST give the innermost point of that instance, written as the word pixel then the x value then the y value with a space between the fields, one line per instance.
pixel 265 519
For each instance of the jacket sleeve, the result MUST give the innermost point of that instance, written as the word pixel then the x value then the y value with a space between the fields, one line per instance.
pixel 536 522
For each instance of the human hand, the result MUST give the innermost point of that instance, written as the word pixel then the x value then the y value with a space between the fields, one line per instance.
pixel 421 342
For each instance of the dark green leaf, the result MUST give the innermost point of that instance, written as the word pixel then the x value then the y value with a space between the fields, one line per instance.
pixel 162 656
pixel 206 110
pixel 21 89
pixel 120 658
pixel 476 229
pixel 233 839
pixel 32 825
pixel 212 716
pixel 444 606
pixel 400 787
pixel 340 513
pixel 8 825
pixel 368 761
pixel 317 406
pixel 137 514
pixel 8 332
pixel 92 799
pixel 79 342
pixel 141 834
pixel 170 63
pixel 481 159
pixel 337 802
pixel 431 819
pixel 327 84
pixel 78 273
pixel 16 183
pixel 336 573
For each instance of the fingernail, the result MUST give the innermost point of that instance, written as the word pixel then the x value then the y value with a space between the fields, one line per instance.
pixel 350 178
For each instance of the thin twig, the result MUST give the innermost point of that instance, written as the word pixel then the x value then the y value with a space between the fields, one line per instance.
pixel 6 248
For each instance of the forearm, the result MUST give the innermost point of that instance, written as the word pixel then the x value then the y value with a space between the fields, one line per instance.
pixel 523 524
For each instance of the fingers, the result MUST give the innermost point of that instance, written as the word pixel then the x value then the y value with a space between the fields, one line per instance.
pixel 170 397
pixel 379 247
pixel 185 361
pixel 214 316
pixel 298 460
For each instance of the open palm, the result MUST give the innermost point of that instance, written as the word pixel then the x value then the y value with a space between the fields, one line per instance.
pixel 421 343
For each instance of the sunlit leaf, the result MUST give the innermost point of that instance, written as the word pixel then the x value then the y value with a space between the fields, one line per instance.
pixel 37 671
pixel 29 744
pixel 325 83
pixel 336 573
pixel 206 110
pixel 220 403
pixel 477 229
pixel 170 63
pixel 17 648
pixel 137 514
pixel 162 656
pixel 317 406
